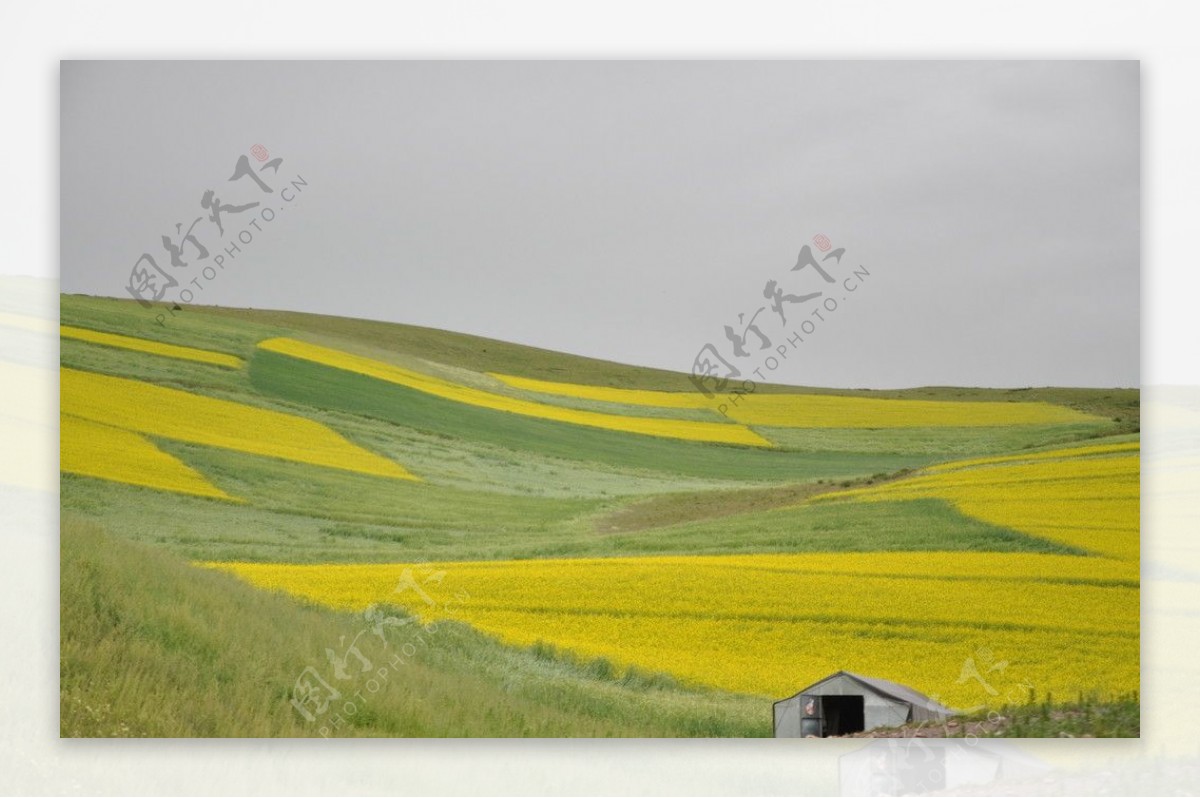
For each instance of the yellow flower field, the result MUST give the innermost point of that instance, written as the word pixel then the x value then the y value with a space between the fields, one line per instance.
pixel 823 411
pixel 1055 454
pixel 1078 497
pixel 97 450
pixel 624 396
pixel 769 624
pixel 150 347
pixel 178 415
pixel 712 432
pixel 853 412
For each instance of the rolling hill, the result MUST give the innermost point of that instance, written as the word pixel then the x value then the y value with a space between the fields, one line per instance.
pixel 582 547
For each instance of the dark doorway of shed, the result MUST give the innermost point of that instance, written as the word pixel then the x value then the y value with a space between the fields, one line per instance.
pixel 843 714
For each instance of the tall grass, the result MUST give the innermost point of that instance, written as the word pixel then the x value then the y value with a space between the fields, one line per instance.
pixel 154 647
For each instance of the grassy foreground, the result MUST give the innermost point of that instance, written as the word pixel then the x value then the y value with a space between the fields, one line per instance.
pixel 154 647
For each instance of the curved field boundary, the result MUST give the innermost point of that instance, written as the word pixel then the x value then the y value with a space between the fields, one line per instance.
pixel 598 393
pixel 321 386
pixel 1055 454
pixel 1086 497
pixel 97 450
pixel 703 431
pixel 178 415
pixel 825 411
pixel 151 347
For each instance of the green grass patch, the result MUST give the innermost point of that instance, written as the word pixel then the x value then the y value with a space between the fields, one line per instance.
pixel 915 525
pixel 321 386
pixel 154 647
pixel 941 443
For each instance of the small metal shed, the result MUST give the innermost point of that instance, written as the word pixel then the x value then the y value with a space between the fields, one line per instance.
pixel 845 702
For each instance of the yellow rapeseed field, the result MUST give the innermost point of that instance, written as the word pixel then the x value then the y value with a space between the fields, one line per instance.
pixel 624 396
pixel 178 415
pixel 118 455
pixel 712 432
pixel 823 411
pixel 1054 454
pixel 1086 499
pixel 769 624
pixel 853 412
pixel 150 347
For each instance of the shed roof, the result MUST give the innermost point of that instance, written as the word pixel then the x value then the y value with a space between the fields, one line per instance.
pixel 888 689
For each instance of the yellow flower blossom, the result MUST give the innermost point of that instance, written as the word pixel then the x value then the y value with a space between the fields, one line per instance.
pixel 823 410
pixel 178 415
pixel 150 347
pixel 1081 497
pixel 769 624
pixel 97 450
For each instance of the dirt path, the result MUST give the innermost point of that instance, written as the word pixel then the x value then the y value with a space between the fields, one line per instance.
pixel 678 508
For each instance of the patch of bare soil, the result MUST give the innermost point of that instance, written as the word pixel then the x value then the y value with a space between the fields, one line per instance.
pixel 678 508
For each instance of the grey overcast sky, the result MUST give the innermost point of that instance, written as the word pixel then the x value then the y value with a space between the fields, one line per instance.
pixel 631 210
